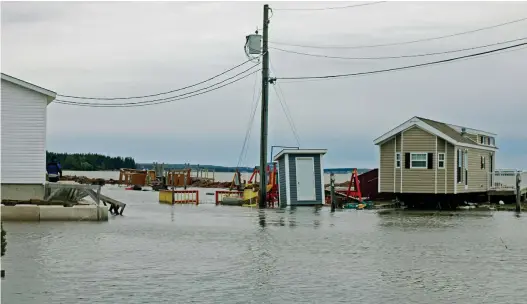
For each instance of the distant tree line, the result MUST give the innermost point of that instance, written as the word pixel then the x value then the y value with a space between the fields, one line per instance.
pixel 90 161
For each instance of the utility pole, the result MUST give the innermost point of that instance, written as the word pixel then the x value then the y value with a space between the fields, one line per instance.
pixel 332 188
pixel 265 106
pixel 518 192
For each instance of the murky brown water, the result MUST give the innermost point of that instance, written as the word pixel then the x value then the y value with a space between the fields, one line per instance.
pixel 207 254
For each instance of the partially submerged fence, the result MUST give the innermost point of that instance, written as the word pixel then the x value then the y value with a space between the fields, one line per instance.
pixel 179 197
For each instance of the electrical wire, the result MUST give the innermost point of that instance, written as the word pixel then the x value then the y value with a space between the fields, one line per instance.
pixel 251 123
pixel 401 43
pixel 285 107
pixel 254 106
pixel 397 57
pixel 329 8
pixel 289 120
pixel 485 55
pixel 154 100
pixel 404 67
pixel 162 93
pixel 281 92
pixel 155 103
pixel 250 130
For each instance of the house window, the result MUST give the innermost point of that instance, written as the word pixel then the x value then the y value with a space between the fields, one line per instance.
pixel 459 161
pixel 482 162
pixel 419 160
pixel 486 140
pixel 441 161
pixel 465 163
pixel 398 160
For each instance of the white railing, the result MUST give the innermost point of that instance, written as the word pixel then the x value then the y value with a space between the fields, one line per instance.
pixel 505 179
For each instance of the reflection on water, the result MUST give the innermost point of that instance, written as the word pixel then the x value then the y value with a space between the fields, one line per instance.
pixel 261 217
pixel 213 254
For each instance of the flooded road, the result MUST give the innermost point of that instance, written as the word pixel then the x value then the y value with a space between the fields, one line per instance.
pixel 206 254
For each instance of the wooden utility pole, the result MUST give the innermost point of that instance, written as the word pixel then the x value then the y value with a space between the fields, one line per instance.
pixel 518 192
pixel 265 106
pixel 332 189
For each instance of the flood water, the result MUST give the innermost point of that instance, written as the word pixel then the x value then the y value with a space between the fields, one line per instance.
pixel 206 254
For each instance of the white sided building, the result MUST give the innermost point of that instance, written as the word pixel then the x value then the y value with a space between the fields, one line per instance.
pixel 23 150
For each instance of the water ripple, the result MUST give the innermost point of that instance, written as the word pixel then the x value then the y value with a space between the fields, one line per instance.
pixel 208 254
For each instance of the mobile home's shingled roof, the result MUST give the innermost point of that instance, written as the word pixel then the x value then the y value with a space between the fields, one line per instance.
pixel 441 129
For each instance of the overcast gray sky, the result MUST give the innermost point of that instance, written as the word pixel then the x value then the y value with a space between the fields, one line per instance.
pixel 136 48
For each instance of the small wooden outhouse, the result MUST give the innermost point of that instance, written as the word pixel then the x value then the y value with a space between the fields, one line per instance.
pixel 300 177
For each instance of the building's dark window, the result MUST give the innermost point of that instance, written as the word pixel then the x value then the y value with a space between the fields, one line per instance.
pixel 459 160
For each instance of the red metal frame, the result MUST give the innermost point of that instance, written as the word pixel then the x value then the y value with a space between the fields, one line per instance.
pixel 194 194
pixel 354 193
pixel 272 195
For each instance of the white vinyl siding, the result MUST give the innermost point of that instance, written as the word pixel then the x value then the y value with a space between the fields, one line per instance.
pixel 418 160
pixel 23 114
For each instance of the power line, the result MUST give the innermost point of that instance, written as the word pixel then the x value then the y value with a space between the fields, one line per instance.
pixel 328 8
pixel 400 43
pixel 154 100
pixel 285 107
pixel 289 119
pixel 396 57
pixel 162 93
pixel 249 131
pixel 485 55
pixel 155 103
pixel 405 67
pixel 250 123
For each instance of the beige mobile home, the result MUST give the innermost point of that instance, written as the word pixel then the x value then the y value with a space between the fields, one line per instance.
pixel 423 158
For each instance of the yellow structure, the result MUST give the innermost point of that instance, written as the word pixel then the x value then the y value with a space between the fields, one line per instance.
pixel 251 192
pixel 166 197
pixel 250 195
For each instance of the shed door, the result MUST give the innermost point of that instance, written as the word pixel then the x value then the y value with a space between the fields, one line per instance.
pixel 305 179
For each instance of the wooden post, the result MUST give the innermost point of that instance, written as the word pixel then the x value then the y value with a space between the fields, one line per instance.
pixel 332 189
pixel 518 192
pixel 4 245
